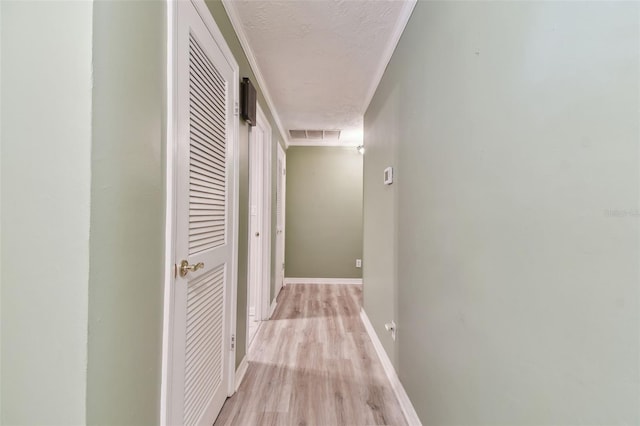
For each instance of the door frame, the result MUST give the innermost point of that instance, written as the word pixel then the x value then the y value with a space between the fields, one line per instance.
pixel 263 292
pixel 170 147
pixel 282 154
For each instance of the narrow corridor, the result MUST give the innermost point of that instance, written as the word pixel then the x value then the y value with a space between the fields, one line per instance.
pixel 314 364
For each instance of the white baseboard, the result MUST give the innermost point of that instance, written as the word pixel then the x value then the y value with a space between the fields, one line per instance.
pixel 351 281
pixel 241 371
pixel 274 304
pixel 405 403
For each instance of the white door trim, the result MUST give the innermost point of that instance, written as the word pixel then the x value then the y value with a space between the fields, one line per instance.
pixel 263 170
pixel 170 198
pixel 265 293
pixel 281 155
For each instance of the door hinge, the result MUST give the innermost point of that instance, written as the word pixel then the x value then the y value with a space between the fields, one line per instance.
pixel 236 109
pixel 233 341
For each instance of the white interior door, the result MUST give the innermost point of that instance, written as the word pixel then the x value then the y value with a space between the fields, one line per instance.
pixel 205 216
pixel 280 210
pixel 256 231
pixel 259 275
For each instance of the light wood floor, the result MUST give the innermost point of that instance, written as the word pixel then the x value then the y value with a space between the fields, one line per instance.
pixel 314 364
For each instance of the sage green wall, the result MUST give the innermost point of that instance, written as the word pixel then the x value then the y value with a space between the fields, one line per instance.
pixel 46 154
pixel 323 212
pixel 126 284
pixel 517 135
pixel 224 24
pixel 380 209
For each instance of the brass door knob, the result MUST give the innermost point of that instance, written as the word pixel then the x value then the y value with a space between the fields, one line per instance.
pixel 185 267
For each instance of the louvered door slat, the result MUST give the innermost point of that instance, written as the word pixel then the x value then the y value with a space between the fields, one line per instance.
pixel 213 138
pixel 205 67
pixel 198 69
pixel 204 313
pixel 194 358
pixel 206 237
pixel 204 196
pixel 200 166
pixel 208 241
pixel 206 159
pixel 210 156
pixel 213 141
pixel 202 101
pixel 204 121
pixel 201 59
pixel 207 142
pixel 208 150
pixel 201 192
pixel 208 90
pixel 204 112
pixel 200 179
pixel 204 224
pixel 200 333
pixel 203 301
pixel 208 212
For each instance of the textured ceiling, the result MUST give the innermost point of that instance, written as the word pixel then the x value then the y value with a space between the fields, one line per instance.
pixel 319 59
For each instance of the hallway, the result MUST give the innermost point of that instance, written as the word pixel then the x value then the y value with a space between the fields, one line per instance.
pixel 314 364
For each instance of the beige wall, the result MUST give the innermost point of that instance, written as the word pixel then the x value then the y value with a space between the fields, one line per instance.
pixel 46 175
pixel 323 212
pixel 516 131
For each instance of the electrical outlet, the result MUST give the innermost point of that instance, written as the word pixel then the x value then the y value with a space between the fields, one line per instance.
pixel 391 327
pixel 358 263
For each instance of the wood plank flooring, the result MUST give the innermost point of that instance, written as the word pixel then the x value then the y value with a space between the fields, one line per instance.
pixel 313 364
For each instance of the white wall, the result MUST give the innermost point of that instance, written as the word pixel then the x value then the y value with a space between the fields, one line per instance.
pixel 45 194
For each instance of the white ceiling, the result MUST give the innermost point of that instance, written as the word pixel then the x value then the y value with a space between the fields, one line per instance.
pixel 319 61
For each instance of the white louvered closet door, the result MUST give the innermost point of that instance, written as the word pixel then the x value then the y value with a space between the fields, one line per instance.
pixel 204 216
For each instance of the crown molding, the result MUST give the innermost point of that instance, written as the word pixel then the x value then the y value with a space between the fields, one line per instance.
pixel 401 23
pixel 244 42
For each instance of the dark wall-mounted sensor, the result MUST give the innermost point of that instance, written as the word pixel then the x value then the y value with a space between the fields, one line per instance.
pixel 248 104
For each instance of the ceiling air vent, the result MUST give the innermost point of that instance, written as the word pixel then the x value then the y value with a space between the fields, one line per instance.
pixel 315 134
pixel 331 134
